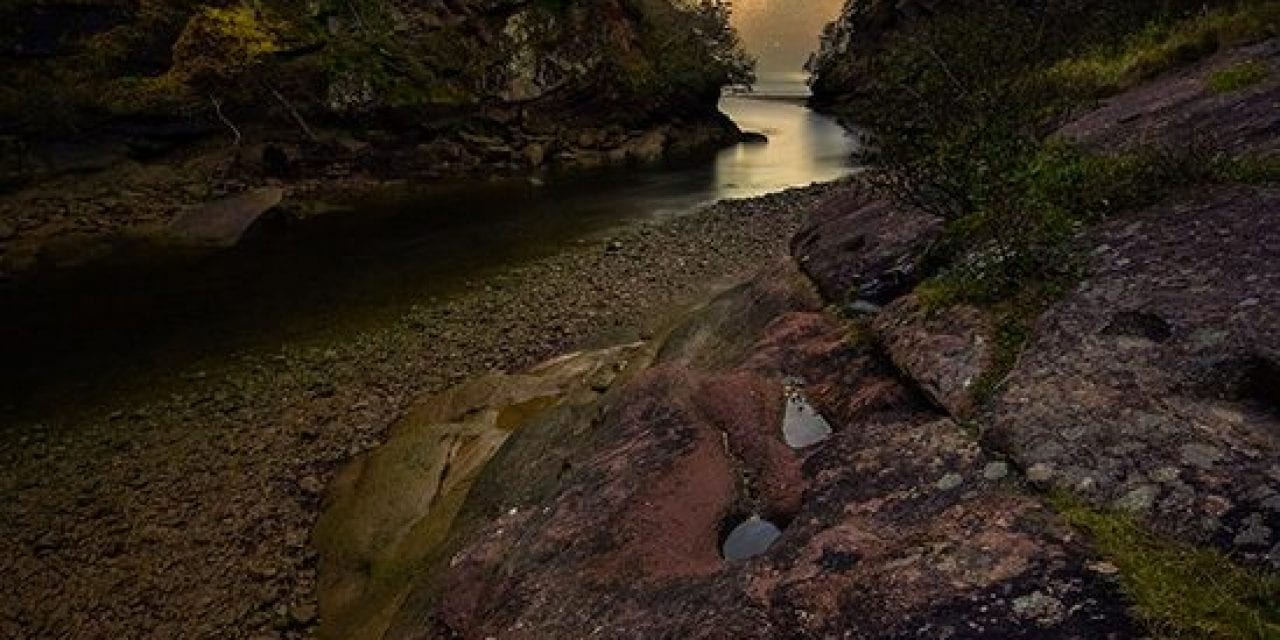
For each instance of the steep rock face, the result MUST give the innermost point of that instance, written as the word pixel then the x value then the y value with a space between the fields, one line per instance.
pixel 142 68
pixel 505 83
pixel 115 117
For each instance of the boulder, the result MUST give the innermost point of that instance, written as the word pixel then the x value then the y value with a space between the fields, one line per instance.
pixel 859 246
pixel 224 222
pixel 389 513
pixel 1154 386
pixel 946 352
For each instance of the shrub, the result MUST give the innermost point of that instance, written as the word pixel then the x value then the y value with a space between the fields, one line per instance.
pixel 960 107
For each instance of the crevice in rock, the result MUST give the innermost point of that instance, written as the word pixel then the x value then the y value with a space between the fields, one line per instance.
pixel 1139 324
pixel 1261 384
pixel 1252 381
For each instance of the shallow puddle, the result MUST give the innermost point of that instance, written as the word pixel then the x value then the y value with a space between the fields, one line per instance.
pixel 749 539
pixel 802 425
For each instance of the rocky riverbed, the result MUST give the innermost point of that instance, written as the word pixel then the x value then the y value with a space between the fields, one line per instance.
pixel 184 509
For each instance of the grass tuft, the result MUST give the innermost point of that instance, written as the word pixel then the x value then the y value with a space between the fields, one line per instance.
pixel 1162 46
pixel 1180 591
pixel 1239 76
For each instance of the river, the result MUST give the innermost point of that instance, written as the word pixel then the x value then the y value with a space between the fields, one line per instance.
pixel 324 277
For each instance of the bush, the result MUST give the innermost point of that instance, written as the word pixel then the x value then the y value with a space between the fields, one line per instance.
pixel 960 108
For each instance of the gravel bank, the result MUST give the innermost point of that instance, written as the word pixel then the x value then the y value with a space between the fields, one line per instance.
pixel 187 514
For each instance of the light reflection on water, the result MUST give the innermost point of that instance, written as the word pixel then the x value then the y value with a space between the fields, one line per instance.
pixel 400 247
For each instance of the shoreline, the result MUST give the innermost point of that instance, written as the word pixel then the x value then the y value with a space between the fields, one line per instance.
pixel 193 500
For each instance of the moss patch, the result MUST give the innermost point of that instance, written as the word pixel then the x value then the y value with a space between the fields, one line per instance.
pixel 1237 77
pixel 1178 590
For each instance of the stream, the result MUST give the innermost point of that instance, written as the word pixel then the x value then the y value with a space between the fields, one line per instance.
pixel 324 277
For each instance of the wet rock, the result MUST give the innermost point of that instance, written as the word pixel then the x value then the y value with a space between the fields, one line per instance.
pixel 649 147
pixel 394 506
pixel 535 155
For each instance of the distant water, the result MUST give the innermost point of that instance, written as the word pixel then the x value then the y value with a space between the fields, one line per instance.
pixel 400 246
pixel 782 85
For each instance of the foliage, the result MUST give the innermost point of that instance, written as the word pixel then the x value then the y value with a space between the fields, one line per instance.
pixel 1239 76
pixel 1164 44
pixel 689 47
pixel 1180 591
pixel 960 107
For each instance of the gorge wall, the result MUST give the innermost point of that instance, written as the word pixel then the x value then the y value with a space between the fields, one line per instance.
pixel 181 103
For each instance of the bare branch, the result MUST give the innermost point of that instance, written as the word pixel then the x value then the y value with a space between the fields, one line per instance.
pixel 217 109
pixel 294 112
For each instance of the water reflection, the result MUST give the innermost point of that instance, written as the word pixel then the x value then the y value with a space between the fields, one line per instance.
pixel 401 246
pixel 803 147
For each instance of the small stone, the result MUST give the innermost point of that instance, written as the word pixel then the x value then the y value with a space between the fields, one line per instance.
pixel 1045 609
pixel 1103 568
pixel 949 482
pixel 1040 472
pixel 996 471
pixel 7 231
pixel 613 247
pixel 1201 455
pixel 1254 534
pixel 1139 500
pixel 311 485
pixel 863 308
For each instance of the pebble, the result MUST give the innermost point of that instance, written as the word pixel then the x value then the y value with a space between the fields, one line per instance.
pixel 1139 500
pixel 949 482
pixel 996 471
pixel 1040 472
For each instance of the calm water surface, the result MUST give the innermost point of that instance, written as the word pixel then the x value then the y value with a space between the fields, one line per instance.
pixel 395 248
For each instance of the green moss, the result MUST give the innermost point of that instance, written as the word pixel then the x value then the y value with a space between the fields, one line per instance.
pixel 1237 77
pixel 1178 590
pixel 1164 45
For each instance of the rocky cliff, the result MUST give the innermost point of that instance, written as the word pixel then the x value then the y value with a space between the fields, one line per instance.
pixel 177 103
pixel 530 77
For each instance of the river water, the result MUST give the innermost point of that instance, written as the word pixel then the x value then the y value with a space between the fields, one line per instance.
pixel 386 252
